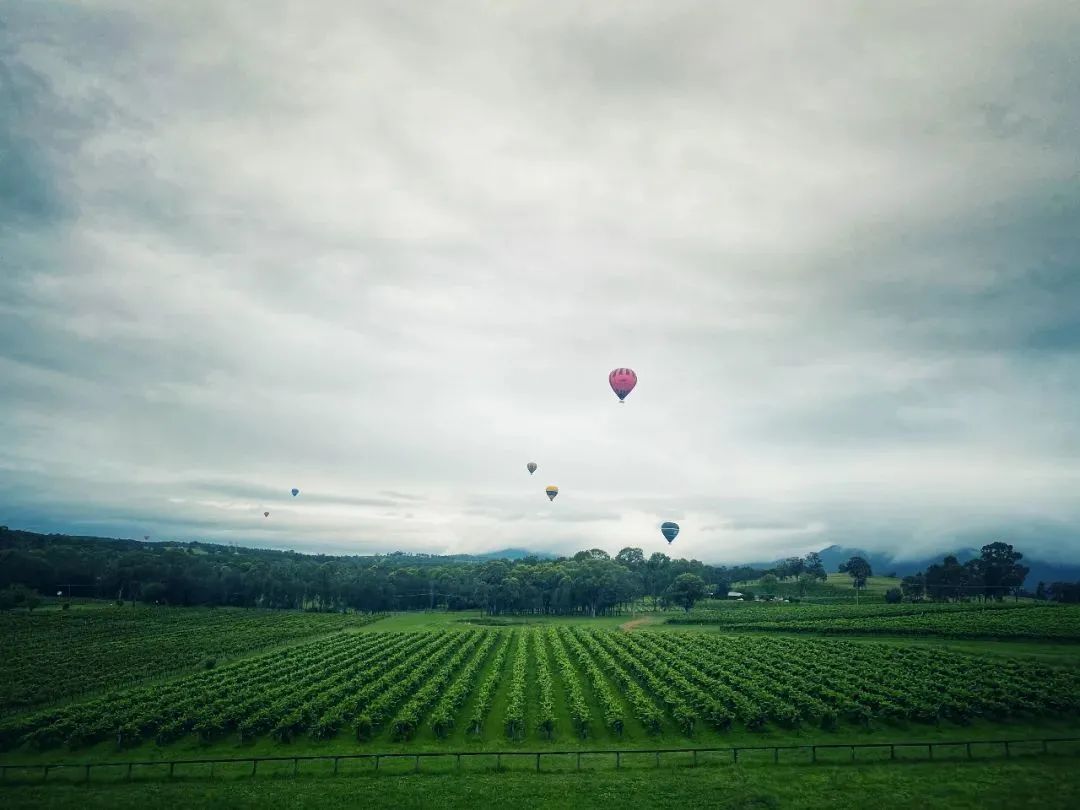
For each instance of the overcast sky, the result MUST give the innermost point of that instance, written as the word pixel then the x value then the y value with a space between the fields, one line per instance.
pixel 388 253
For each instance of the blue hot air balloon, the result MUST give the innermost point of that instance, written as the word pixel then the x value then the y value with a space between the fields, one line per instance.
pixel 295 492
pixel 670 530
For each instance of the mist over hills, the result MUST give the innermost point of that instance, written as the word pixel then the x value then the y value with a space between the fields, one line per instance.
pixel 884 562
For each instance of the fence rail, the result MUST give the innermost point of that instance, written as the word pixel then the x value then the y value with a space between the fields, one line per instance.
pixel 733 752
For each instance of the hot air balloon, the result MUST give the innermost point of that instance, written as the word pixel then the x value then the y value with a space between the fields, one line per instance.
pixel 531 467
pixel 622 381
pixel 295 492
pixel 266 514
pixel 146 537
pixel 670 530
pixel 552 491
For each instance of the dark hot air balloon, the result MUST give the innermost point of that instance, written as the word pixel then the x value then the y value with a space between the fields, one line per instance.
pixel 266 514
pixel 295 492
pixel 670 530
pixel 552 491
pixel 622 381
pixel 531 467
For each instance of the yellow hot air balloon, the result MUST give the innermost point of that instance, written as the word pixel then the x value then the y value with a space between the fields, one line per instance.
pixel 552 491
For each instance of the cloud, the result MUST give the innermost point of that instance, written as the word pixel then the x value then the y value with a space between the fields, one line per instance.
pixel 389 257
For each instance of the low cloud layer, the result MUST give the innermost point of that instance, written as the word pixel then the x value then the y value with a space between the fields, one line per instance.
pixel 388 255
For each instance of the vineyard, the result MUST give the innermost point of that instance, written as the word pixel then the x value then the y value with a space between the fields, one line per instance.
pixel 1004 620
pixel 48 656
pixel 552 683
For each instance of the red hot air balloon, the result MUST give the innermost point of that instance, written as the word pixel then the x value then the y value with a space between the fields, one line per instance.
pixel 622 381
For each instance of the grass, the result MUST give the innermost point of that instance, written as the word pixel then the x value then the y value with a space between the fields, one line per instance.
pixel 1043 782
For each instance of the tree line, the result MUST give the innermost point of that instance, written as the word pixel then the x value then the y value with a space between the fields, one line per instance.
pixel 590 582
pixel 994 574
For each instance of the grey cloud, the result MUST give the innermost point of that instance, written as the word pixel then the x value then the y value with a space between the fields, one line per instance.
pixel 371 252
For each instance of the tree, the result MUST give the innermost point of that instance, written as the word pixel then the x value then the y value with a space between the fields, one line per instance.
pixel 14 596
pixel 805 580
pixel 894 596
pixel 768 583
pixel 999 569
pixel 592 554
pixel 859 570
pixel 950 579
pixel 814 566
pixel 1040 591
pixel 794 566
pixel 914 586
pixel 1064 592
pixel 632 558
pixel 686 590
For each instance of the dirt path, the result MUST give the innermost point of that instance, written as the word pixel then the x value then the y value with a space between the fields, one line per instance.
pixel 633 624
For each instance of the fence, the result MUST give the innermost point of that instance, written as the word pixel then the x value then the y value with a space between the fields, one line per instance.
pixel 730 754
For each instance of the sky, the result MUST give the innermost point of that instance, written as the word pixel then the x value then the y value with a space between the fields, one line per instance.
pixel 388 252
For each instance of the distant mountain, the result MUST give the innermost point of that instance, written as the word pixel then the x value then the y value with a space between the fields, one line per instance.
pixel 883 562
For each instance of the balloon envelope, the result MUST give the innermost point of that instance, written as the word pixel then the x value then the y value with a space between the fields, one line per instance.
pixel 670 530
pixel 295 492
pixel 552 492
pixel 531 467
pixel 266 514
pixel 622 381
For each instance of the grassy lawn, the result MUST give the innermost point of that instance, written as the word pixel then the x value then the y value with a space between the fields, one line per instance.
pixel 1044 782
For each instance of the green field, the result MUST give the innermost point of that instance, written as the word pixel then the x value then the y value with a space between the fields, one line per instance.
pixel 835 587
pixel 46 656
pixel 553 683
pixel 439 681
pixel 991 620
pixel 1048 783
